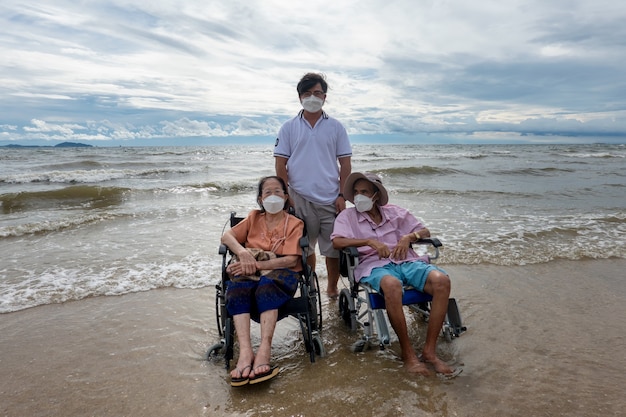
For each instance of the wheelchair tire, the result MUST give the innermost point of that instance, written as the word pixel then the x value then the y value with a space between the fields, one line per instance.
pixel 219 313
pixel 347 310
pixel 318 346
pixel 214 351
pixel 316 303
pixel 359 346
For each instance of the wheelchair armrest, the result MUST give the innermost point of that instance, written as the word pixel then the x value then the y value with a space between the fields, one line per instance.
pixel 223 249
pixel 349 259
pixel 432 240
pixel 351 251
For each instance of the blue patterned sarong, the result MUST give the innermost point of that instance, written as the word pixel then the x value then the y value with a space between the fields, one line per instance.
pixel 269 292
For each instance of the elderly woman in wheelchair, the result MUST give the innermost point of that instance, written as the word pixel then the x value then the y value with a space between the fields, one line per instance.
pixel 263 273
pixel 383 234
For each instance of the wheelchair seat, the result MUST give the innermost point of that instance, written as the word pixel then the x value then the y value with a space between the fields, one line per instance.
pixel 360 306
pixel 305 306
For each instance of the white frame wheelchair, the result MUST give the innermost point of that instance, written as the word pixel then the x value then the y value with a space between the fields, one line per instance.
pixel 360 306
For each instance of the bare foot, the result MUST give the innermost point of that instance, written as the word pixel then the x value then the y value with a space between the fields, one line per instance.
pixel 440 366
pixel 332 294
pixel 417 367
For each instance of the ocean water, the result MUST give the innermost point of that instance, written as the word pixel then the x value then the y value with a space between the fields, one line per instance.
pixel 84 222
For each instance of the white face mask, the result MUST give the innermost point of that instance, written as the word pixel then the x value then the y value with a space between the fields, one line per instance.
pixel 312 104
pixel 273 204
pixel 363 203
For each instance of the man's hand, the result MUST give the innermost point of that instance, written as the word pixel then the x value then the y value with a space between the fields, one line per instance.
pixel 402 248
pixel 381 248
pixel 340 204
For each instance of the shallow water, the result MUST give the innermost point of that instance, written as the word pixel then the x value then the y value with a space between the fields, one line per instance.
pixel 81 222
pixel 543 340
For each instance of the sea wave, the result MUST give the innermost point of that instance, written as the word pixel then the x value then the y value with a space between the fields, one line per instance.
pixel 535 241
pixel 78 196
pixel 414 170
pixel 59 284
pixel 468 194
pixel 533 172
pixel 87 176
pixel 54 225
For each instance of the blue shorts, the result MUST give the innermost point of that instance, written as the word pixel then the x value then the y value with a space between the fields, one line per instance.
pixel 409 273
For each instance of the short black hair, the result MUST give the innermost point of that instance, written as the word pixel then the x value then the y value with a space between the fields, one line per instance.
pixel 309 80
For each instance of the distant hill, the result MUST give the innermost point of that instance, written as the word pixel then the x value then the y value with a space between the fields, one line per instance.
pixel 72 145
pixel 60 145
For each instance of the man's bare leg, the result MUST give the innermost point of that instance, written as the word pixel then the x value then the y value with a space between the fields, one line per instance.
pixel 310 260
pixel 437 285
pixel 332 267
pixel 392 290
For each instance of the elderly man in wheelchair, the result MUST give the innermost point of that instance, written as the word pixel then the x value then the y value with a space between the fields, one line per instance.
pixel 383 234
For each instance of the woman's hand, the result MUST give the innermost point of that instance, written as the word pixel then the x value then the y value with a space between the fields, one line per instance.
pixel 247 265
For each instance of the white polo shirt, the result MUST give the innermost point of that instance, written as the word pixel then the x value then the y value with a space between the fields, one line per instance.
pixel 312 154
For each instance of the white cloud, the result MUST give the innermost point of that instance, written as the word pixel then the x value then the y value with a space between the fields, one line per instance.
pixel 124 70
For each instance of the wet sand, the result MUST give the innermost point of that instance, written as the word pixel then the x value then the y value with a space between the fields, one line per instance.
pixel 543 340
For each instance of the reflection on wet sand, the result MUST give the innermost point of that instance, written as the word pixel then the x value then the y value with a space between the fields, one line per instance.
pixel 541 340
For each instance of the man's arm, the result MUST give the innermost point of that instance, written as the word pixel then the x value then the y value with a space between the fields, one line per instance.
pixel 345 167
pixel 343 242
pixel 280 164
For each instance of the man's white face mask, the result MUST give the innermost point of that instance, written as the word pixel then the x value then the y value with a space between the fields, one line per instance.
pixel 363 203
pixel 312 104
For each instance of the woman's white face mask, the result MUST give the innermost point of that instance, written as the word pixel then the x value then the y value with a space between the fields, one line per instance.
pixel 273 204
pixel 363 203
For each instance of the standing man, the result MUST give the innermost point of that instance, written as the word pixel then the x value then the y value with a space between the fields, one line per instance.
pixel 313 155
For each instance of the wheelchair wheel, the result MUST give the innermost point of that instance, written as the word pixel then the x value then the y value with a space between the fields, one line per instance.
pixel 318 346
pixel 347 310
pixel 219 313
pixel 359 346
pixel 215 351
pixel 316 303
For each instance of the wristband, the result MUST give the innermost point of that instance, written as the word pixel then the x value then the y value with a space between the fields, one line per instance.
pixel 417 235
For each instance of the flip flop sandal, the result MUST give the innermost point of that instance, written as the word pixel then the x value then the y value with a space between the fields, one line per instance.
pixel 266 376
pixel 240 381
pixel 453 374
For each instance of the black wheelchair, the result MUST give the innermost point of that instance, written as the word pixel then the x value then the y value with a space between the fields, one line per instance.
pixel 305 306
pixel 360 306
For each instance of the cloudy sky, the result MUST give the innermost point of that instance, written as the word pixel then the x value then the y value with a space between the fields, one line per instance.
pixel 190 72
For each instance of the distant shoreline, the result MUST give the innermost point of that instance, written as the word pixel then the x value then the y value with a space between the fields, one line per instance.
pixel 59 145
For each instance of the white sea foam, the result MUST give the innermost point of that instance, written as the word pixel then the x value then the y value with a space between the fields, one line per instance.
pixel 161 219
